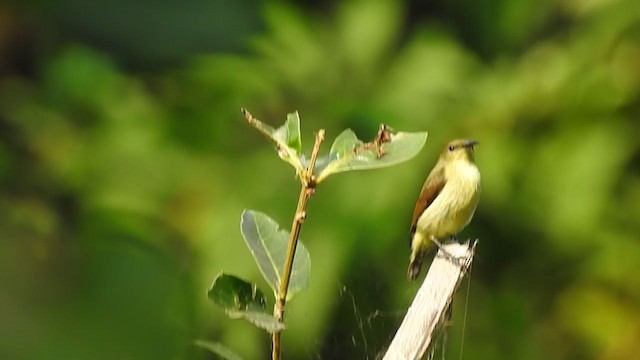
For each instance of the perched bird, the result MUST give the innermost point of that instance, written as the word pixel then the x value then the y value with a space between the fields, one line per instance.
pixel 447 201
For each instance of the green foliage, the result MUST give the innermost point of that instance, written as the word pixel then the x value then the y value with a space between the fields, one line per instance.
pixel 240 299
pixel 234 294
pixel 286 138
pixel 348 153
pixel 268 245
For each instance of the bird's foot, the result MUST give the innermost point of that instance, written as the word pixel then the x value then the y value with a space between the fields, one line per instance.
pixel 458 260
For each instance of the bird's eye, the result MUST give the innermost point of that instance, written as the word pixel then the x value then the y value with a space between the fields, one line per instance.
pixel 452 147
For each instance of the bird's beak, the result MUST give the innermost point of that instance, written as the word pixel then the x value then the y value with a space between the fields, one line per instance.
pixel 471 143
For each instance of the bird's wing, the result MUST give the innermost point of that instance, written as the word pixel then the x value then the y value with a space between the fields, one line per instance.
pixel 430 190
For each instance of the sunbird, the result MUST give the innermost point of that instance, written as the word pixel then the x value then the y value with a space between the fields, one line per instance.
pixel 447 201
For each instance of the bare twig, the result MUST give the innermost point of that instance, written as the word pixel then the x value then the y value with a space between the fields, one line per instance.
pixel 308 188
pixel 428 311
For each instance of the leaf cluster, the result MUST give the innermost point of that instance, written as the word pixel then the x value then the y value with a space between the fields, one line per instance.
pixel 265 239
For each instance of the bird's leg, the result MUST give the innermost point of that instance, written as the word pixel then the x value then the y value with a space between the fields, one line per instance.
pixel 460 260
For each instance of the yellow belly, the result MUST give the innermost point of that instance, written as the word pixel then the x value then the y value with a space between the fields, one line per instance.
pixel 454 207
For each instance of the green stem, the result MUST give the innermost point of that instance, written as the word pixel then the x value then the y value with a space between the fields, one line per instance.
pixel 308 188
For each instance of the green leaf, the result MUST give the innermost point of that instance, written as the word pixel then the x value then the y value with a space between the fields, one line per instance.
pixel 218 349
pixel 268 244
pixel 345 143
pixel 342 146
pixel 289 133
pixel 234 294
pixel 262 320
pixel 349 153
pixel 241 299
pixel 286 137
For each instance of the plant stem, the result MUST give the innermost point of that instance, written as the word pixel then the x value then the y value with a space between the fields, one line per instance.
pixel 308 188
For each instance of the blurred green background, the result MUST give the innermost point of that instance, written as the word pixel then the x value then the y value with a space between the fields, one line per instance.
pixel 125 165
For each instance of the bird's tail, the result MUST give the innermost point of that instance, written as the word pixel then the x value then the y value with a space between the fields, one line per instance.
pixel 415 263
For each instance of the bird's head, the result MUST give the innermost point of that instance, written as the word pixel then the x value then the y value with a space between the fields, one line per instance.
pixel 459 149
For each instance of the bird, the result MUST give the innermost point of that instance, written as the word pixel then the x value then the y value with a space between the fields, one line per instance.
pixel 447 201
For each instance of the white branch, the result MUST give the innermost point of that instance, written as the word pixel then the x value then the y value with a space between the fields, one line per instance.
pixel 428 311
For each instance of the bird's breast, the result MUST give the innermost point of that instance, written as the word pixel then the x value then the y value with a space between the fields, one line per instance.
pixel 454 207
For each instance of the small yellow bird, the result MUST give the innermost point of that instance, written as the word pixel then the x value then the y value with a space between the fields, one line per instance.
pixel 447 201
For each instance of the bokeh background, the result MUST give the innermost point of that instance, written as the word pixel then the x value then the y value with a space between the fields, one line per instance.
pixel 125 165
